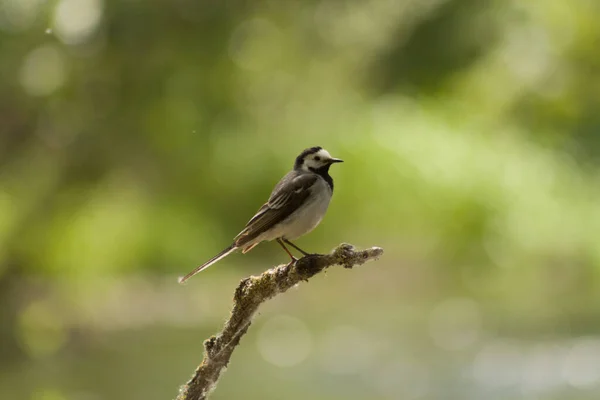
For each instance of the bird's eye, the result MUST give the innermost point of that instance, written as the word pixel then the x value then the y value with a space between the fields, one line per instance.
pixel 317 158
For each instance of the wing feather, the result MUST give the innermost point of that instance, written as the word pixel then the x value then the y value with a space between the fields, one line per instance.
pixel 289 194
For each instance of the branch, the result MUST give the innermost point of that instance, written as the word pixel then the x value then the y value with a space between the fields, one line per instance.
pixel 249 295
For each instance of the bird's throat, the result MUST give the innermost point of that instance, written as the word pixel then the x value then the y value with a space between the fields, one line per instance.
pixel 324 173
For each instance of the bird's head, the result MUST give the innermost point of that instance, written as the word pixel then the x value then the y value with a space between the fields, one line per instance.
pixel 315 159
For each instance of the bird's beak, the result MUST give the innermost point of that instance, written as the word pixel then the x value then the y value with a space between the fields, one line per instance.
pixel 335 160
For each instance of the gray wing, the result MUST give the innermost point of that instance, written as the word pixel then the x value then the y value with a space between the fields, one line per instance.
pixel 289 194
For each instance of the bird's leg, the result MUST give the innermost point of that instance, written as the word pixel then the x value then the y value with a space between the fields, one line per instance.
pixel 296 247
pixel 294 259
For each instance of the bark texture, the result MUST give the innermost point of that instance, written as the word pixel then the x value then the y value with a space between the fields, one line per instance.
pixel 249 295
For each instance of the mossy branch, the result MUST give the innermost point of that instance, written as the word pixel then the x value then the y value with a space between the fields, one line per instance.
pixel 249 295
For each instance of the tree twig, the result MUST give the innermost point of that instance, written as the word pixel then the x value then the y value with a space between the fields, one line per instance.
pixel 249 295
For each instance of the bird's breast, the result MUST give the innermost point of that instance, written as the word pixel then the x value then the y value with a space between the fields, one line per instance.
pixel 310 214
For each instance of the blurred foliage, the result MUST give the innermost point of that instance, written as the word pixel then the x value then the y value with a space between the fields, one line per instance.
pixel 136 139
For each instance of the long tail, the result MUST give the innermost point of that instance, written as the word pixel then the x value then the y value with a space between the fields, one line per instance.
pixel 210 262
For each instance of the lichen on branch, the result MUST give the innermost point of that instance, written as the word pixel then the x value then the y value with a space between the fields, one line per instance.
pixel 249 295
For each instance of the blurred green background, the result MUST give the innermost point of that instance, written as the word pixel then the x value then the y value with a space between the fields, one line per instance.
pixel 138 137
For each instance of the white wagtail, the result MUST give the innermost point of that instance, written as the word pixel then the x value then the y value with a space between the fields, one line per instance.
pixel 296 206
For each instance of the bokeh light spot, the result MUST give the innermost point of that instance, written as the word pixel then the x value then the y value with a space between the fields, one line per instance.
pixel 542 370
pixel 498 365
pixel 18 15
pixel 455 324
pixel 76 20
pixel 408 379
pixel 41 330
pixel 43 71
pixel 284 341
pixel 582 366
pixel 346 350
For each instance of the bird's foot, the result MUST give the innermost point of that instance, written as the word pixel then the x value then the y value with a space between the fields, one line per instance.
pixel 293 261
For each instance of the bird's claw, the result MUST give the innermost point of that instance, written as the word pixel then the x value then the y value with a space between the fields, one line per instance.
pixel 293 261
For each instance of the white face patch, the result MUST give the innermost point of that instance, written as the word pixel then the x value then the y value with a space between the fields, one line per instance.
pixel 316 160
pixel 323 154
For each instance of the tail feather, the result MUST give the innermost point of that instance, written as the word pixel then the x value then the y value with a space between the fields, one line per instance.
pixel 210 262
pixel 248 248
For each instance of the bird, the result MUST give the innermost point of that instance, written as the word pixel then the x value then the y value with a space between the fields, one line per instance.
pixel 295 207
